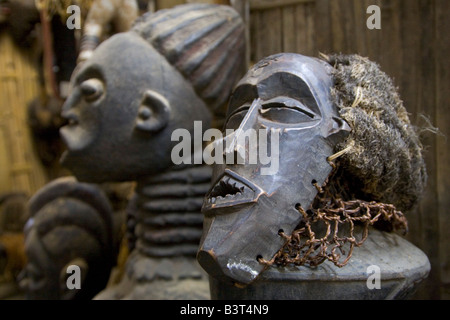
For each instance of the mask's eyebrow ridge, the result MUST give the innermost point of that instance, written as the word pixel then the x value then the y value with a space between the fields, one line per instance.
pixel 289 103
pixel 242 95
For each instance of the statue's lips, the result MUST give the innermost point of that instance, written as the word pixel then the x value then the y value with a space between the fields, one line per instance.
pixel 71 133
pixel 230 191
pixel 72 120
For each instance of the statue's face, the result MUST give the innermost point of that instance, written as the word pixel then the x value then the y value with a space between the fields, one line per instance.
pixel 126 100
pixel 286 100
pixel 40 277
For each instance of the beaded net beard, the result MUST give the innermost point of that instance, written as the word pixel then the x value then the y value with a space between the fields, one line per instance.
pixel 378 171
pixel 329 229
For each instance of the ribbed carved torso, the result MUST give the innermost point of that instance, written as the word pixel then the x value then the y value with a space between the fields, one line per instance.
pixel 168 212
pixel 165 226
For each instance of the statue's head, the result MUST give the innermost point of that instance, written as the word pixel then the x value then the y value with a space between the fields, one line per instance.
pixel 295 122
pixel 174 67
pixel 68 242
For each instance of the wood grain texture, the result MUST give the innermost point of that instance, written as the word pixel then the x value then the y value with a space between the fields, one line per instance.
pixel 442 142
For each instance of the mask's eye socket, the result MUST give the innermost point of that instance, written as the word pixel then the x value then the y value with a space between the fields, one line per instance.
pixel 286 110
pixel 92 89
pixel 235 119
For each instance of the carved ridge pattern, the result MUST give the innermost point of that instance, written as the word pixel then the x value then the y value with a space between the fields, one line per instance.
pixel 169 218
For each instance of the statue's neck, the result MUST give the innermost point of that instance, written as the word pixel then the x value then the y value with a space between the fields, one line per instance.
pixel 168 211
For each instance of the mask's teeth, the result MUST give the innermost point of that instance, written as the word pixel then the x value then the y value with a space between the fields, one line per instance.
pixel 227 189
pixel 239 185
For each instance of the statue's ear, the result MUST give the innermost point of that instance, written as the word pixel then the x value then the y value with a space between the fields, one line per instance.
pixel 338 130
pixel 71 278
pixel 154 112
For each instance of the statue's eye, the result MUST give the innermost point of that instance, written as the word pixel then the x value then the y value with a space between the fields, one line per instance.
pixel 92 89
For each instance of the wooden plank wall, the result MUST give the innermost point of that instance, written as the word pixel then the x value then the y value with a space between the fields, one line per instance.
pixel 163 4
pixel 412 47
pixel 20 167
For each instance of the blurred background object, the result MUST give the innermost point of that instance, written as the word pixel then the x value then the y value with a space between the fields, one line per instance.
pixel 13 216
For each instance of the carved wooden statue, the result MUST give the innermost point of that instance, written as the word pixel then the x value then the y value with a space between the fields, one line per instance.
pixel 343 154
pixel 71 226
pixel 174 67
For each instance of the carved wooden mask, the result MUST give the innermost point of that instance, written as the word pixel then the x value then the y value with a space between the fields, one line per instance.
pixel 285 97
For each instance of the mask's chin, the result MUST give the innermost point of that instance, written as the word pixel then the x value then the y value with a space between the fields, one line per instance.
pixel 221 253
pixel 241 224
pixel 228 204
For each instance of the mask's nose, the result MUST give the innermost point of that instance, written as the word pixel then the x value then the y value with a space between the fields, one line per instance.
pixel 235 146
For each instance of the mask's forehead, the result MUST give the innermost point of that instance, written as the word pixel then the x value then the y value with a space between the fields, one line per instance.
pixel 309 69
pixel 313 73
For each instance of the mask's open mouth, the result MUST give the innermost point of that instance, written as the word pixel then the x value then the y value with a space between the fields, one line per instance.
pixel 231 190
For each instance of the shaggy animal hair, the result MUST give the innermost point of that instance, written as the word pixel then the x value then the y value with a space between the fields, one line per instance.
pixel 384 154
